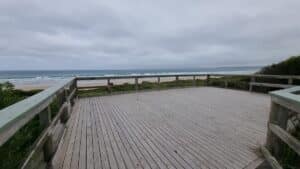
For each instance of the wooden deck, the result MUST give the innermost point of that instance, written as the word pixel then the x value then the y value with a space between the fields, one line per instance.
pixel 178 128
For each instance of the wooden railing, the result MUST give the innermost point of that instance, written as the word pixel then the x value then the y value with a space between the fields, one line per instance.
pixel 285 108
pixel 14 117
pixel 208 77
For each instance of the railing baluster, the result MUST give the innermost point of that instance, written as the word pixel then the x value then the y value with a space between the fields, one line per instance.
pixel 226 84
pixel 158 80
pixel 290 81
pixel 48 148
pixel 272 119
pixel 194 80
pixel 207 79
pixel 45 117
pixel 252 80
pixel 136 83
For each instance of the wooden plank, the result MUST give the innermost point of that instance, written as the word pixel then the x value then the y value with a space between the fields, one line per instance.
pixel 133 148
pixel 95 140
pixel 286 137
pixel 115 146
pixel 169 152
pixel 135 160
pixel 146 147
pixel 195 143
pixel 75 154
pixel 272 161
pixel 158 153
pixel 90 160
pixel 142 147
pixel 171 129
pixel 101 137
pixel 113 163
pixel 83 139
pixel 120 153
pixel 271 85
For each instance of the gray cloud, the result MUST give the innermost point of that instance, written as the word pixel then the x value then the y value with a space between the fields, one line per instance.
pixel 120 34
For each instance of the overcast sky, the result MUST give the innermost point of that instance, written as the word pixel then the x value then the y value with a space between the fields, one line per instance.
pixel 126 34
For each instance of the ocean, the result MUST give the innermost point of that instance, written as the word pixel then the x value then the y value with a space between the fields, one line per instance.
pixel 46 77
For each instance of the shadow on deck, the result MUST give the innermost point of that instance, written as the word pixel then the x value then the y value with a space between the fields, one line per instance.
pixel 178 128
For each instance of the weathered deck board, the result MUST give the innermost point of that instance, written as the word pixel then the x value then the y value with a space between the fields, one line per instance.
pixel 179 128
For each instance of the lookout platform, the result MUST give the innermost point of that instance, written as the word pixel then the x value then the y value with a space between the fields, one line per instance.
pixel 202 127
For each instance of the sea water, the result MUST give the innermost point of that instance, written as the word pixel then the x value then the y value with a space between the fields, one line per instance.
pixel 47 77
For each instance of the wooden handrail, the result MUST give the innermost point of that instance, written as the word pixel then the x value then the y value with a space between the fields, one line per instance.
pixel 185 75
pixel 17 115
pixel 287 98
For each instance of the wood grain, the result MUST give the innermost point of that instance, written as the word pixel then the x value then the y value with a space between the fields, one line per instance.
pixel 180 128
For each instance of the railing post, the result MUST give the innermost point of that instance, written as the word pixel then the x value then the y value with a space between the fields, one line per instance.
pixel 75 86
pixel 194 80
pixel 136 83
pixel 250 84
pixel 48 148
pixel 290 81
pixel 66 113
pixel 226 83
pixel 279 116
pixel 108 82
pixel 177 78
pixel 45 117
pixel 272 119
pixel 207 79
pixel 109 85
pixel 66 92
pixel 158 80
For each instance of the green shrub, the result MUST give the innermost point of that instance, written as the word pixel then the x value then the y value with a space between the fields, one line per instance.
pixel 286 67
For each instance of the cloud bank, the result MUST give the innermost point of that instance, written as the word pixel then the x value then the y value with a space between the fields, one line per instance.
pixel 118 34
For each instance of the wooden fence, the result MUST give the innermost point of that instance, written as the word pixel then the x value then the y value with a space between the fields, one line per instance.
pixel 208 77
pixel 285 112
pixel 14 117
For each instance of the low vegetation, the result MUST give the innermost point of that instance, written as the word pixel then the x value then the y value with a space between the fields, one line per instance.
pixel 291 66
pixel 126 87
